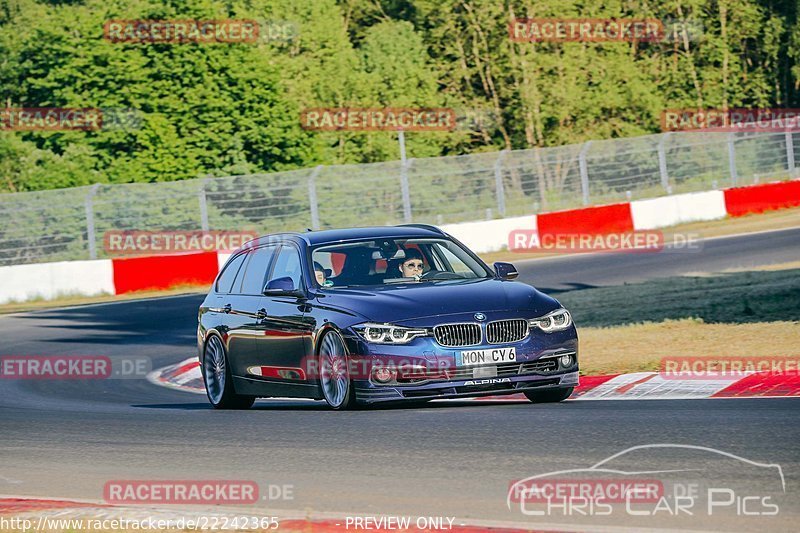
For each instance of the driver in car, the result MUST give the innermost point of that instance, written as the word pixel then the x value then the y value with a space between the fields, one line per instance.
pixel 413 265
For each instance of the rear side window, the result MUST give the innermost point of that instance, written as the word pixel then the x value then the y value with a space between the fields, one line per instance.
pixel 225 280
pixel 255 270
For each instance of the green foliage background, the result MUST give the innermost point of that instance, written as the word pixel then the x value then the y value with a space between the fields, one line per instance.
pixel 233 109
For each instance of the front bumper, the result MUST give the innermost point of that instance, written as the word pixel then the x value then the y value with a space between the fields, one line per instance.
pixel 464 388
pixel 459 380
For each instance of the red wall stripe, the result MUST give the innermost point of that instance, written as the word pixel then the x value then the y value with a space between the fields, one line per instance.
pixel 164 271
pixel 614 218
pixel 11 506
pixel 759 198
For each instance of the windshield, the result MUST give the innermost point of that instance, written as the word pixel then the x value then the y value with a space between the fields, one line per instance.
pixel 380 262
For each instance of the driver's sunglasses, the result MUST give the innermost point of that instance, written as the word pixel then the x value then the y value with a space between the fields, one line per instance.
pixel 413 265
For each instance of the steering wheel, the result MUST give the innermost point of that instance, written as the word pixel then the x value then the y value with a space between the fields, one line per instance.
pixel 440 274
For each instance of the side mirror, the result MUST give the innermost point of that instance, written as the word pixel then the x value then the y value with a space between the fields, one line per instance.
pixel 283 285
pixel 505 271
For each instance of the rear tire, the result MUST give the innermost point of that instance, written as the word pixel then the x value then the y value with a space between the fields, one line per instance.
pixel 218 380
pixel 549 396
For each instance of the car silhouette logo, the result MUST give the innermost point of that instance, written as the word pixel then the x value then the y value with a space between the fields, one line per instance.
pixel 480 317
pixel 607 468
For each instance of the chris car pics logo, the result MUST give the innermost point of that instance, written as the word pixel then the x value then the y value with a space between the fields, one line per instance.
pixel 665 480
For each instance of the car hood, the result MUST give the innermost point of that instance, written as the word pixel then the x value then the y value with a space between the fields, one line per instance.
pixel 410 302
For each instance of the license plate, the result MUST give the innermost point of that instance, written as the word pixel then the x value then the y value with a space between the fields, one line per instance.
pixel 492 356
pixel 484 372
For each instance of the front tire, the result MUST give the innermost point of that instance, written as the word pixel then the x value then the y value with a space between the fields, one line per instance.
pixel 549 396
pixel 334 374
pixel 218 380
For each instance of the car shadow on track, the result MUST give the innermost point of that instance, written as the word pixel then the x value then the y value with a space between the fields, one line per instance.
pixel 321 406
pixel 184 406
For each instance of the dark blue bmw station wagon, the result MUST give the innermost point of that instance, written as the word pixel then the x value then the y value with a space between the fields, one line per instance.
pixel 381 314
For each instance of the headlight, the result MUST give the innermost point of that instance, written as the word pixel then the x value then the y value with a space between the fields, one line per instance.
pixel 558 320
pixel 388 334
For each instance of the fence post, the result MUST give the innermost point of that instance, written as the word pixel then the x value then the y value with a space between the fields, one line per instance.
pixel 201 194
pixel 662 161
pixel 584 171
pixel 312 197
pixel 789 152
pixel 498 183
pixel 89 207
pixel 732 158
pixel 404 189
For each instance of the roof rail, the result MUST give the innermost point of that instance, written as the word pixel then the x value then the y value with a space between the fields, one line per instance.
pixel 429 227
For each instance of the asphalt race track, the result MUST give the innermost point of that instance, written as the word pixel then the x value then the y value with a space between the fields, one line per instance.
pixel 593 270
pixel 66 439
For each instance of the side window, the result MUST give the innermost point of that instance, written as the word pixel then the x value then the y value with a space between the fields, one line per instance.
pixel 256 270
pixel 288 265
pixel 225 280
pixel 456 264
pixel 334 261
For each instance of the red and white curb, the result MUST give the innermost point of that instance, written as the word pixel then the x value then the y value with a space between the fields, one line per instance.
pixel 186 376
pixel 183 376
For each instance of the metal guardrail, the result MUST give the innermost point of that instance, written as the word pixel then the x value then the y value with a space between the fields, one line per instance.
pixel 69 224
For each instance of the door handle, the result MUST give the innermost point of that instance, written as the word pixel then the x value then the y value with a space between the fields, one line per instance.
pixel 261 314
pixel 226 308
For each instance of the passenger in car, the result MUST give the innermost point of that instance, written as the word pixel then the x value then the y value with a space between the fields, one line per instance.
pixel 319 273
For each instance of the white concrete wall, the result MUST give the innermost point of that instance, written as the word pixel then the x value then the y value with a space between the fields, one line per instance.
pixel 677 209
pixel 488 235
pixel 50 280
